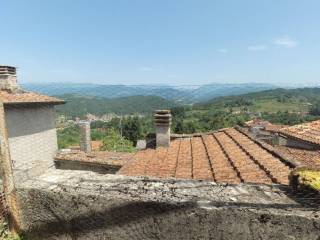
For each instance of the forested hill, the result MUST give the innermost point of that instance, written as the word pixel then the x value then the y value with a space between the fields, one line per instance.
pixel 78 106
pixel 299 99
pixel 183 94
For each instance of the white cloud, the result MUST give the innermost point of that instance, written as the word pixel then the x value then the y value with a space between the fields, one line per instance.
pixel 285 41
pixel 222 50
pixel 257 47
pixel 145 69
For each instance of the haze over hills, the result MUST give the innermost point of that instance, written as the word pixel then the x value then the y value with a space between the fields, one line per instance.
pixel 185 94
pixel 299 99
pixel 271 101
pixel 79 106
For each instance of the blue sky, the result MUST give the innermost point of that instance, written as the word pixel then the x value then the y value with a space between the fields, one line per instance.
pixel 162 42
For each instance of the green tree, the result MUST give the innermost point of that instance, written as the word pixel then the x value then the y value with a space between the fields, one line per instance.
pixel 315 109
pixel 68 136
pixel 114 142
pixel 132 129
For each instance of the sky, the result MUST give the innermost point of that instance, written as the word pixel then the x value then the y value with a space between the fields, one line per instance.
pixel 176 42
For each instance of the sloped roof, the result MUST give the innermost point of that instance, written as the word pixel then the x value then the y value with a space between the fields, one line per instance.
pixel 308 132
pixel 308 158
pixel 228 156
pixel 25 97
pixel 274 127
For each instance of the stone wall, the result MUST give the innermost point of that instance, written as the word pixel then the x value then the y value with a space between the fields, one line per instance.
pixel 64 204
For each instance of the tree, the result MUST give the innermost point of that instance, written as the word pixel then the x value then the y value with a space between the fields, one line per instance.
pixel 132 129
pixel 114 142
pixel 68 136
pixel 315 109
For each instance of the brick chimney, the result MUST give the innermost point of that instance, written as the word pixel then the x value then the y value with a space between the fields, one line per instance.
pixel 8 78
pixel 85 136
pixel 162 122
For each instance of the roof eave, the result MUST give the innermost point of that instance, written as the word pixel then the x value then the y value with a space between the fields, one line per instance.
pixel 33 103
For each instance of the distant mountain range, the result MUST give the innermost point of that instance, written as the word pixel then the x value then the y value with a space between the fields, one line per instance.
pixel 79 106
pixel 184 94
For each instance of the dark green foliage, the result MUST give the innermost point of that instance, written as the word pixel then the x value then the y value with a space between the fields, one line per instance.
pixel 203 121
pixel 287 118
pixel 113 141
pixel 79 106
pixel 133 129
pixel 315 109
pixel 68 136
pixel 300 95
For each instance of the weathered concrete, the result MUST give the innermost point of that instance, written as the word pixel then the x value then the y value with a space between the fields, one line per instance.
pixel 65 204
pixel 86 166
pixel 32 139
pixel 162 122
pixel 85 136
pixel 8 78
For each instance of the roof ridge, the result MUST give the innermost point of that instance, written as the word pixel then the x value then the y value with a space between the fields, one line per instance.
pixel 229 159
pixel 261 166
pixel 209 159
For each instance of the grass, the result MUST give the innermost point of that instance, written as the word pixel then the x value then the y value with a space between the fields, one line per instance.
pixel 5 233
pixel 273 106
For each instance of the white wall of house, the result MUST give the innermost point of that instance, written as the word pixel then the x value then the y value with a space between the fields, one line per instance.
pixel 32 137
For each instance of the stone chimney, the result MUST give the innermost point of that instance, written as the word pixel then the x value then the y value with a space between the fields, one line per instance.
pixel 8 78
pixel 85 136
pixel 162 121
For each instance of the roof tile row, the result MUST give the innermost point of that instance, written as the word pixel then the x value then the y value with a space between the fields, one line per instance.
pixel 225 156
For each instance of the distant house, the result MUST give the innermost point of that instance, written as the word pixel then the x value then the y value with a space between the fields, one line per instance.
pixel 30 123
pixel 304 136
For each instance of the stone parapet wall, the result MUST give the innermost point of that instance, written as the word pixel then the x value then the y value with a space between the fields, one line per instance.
pixel 64 204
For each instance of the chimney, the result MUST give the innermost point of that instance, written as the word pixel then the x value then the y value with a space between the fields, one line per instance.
pixel 85 136
pixel 8 78
pixel 162 121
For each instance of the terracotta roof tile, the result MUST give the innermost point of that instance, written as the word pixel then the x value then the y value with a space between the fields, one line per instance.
pixel 274 127
pixel 225 156
pixel 95 146
pixel 307 158
pixel 309 132
pixel 24 97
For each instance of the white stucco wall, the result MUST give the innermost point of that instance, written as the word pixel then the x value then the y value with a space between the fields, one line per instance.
pixel 32 137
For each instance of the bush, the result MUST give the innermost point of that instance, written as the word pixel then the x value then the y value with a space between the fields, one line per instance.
pixel 113 141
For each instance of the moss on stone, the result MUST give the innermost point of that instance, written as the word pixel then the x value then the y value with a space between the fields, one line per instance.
pixel 306 177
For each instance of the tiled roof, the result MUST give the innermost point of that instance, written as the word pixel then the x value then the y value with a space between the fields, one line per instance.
pixel 307 158
pixel 309 132
pixel 257 122
pixel 225 156
pixel 95 146
pixel 270 127
pixel 274 127
pixel 24 97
